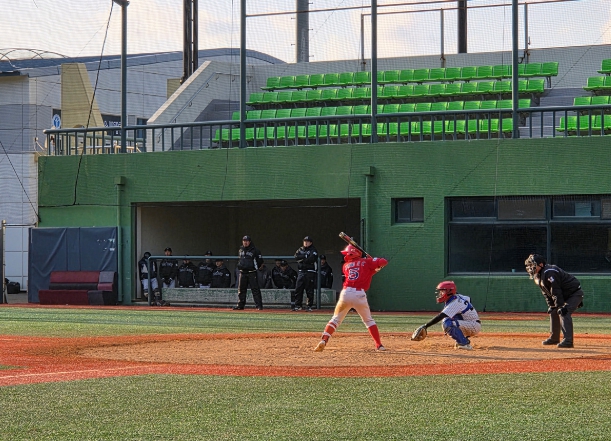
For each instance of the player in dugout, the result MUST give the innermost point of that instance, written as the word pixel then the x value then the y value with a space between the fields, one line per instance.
pixel 358 272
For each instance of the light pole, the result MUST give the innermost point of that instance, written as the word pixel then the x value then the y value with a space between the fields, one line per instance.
pixel 123 4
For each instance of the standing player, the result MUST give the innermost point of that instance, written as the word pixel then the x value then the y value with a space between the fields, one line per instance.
pixel 458 318
pixel 358 272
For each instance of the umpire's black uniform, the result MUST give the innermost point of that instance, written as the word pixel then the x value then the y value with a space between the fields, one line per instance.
pixel 307 257
pixel 250 260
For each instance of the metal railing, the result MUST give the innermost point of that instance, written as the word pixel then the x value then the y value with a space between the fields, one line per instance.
pixel 534 122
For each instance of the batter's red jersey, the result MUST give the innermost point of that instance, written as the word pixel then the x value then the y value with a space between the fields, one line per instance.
pixel 358 272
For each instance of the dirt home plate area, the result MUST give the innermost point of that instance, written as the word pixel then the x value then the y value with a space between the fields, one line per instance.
pixel 37 360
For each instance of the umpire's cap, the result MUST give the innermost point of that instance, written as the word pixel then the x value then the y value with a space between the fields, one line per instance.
pixel 168 249
pixel 538 258
pixel 308 239
pixel 208 253
pixel 246 238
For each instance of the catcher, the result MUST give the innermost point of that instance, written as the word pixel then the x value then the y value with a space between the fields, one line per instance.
pixel 458 318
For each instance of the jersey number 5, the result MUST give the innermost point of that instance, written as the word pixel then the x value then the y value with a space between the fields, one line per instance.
pixel 353 273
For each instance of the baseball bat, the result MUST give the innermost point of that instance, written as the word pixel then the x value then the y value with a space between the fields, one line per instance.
pixel 352 242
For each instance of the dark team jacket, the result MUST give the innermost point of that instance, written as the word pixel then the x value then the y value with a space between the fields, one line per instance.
pixel 187 275
pixel 144 271
pixel 204 272
pixel 306 258
pixel 221 277
pixel 557 285
pixel 168 269
pixel 250 259
pixel 264 277
pixel 326 276
pixel 284 279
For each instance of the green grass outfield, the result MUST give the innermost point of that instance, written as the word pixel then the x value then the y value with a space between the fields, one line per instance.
pixel 542 406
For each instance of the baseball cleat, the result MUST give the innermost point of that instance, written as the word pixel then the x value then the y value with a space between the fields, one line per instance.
pixel 549 342
pixel 381 348
pixel 466 347
pixel 565 344
pixel 321 346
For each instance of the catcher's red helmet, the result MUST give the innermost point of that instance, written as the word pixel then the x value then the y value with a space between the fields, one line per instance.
pixel 351 253
pixel 445 290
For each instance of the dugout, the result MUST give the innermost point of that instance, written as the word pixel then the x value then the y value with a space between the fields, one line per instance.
pixel 277 228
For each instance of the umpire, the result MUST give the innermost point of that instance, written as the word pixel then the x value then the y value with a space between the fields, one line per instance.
pixel 306 256
pixel 563 295
pixel 250 260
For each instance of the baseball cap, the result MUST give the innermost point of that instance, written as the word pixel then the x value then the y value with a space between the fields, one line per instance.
pixel 246 238
pixel 208 253
pixel 322 256
pixel 308 238
pixel 168 249
pixel 284 263
pixel 147 254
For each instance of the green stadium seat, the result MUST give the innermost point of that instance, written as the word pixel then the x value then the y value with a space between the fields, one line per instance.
pixel 284 96
pixel 253 114
pixel 344 131
pixel 313 95
pixel 488 105
pixel 380 108
pixel 489 128
pixel 298 112
pixel 249 134
pixel 362 109
pixel 255 98
pixel 362 93
pixel 298 133
pixel 317 80
pixel 473 127
pixel 521 69
pixel 562 126
pixel 437 90
pixel 360 131
pixel 362 77
pixel 453 90
pixel 524 103
pixel 269 97
pixel 504 104
pixel 328 111
pixel 268 114
pixel 600 100
pixel 440 106
pixel 421 75
pixel 593 84
pixel 485 87
pixel 287 82
pixel 235 116
pixel 484 73
pixel 344 110
pixel 453 73
pixel 391 77
pixel 468 73
pixel 456 128
pixel 272 83
pixel 302 81
pixel 607 84
pixel 423 107
pixel 472 105
pixel 437 74
pixel 344 94
pixel 331 79
pixel 439 128
pixel 329 94
pixel 406 76
pixel 390 108
pixel 582 100
pixel 605 66
pixel 380 78
pixel 532 70
pixel 313 111
pixel 549 69
pixel 468 89
pixel 283 113
pixel 506 126
pixel 346 79
pixel 405 91
pixel 389 92
pixel 536 86
pixel 522 86
pixel 407 108
pixel 421 90
pixel 454 106
pixel 501 71
pixel 502 87
pixel 299 96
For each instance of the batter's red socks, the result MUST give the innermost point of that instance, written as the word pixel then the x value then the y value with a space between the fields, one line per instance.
pixel 328 332
pixel 375 334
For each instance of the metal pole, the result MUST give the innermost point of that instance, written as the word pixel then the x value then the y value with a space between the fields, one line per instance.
pixel 462 26
pixel 443 56
pixel 318 283
pixel 195 37
pixel 362 42
pixel 514 68
pixel 302 46
pixel 124 5
pixel 4 287
pixel 526 54
pixel 242 73
pixel 148 267
pixel 374 70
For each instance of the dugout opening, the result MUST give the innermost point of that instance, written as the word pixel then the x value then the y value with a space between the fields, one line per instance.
pixel 277 228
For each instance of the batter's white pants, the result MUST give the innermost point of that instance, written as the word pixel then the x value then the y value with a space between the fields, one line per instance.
pixel 352 298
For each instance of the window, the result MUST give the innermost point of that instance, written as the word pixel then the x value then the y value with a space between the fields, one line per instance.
pixel 408 210
pixel 497 234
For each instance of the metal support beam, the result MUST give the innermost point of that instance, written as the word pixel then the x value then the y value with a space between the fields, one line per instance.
pixel 462 26
pixel 302 37
pixel 123 4
pixel 242 73
pixel 514 69
pixel 374 70
pixel 190 39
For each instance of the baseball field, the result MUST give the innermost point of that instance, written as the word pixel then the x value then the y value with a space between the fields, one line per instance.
pixel 139 373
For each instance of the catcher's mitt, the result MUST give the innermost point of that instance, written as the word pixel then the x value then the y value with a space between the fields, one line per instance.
pixel 419 334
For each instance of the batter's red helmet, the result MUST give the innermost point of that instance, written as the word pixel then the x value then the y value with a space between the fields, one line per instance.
pixel 351 253
pixel 444 291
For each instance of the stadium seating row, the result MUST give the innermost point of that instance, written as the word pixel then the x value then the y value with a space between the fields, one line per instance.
pixel 584 124
pixel 598 85
pixel 605 67
pixel 410 131
pixel 406 76
pixel 388 93
pixel 441 106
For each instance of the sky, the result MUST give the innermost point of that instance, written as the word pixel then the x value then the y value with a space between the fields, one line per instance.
pixel 79 27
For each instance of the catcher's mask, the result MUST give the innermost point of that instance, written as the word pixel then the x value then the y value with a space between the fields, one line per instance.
pixel 532 263
pixel 444 291
pixel 350 253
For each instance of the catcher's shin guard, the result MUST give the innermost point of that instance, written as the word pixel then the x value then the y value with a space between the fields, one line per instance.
pixel 450 327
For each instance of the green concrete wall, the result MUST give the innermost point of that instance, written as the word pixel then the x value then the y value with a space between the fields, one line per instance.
pixel 433 170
